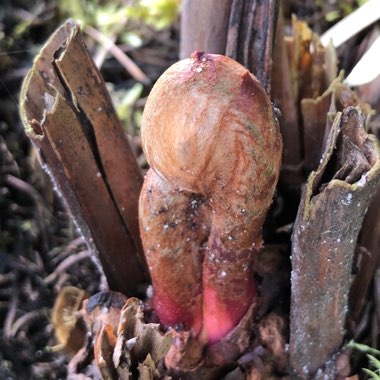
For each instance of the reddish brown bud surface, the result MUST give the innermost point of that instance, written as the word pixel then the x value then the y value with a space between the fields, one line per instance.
pixel 214 147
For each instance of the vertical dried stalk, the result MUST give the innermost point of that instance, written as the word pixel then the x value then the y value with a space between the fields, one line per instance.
pixel 302 69
pixel 283 97
pixel 329 219
pixel 240 29
pixel 69 116
pixel 204 26
pixel 369 260
pixel 251 34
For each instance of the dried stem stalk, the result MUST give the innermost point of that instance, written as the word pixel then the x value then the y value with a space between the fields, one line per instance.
pixel 251 34
pixel 69 116
pixel 241 29
pixel 329 219
pixel 211 20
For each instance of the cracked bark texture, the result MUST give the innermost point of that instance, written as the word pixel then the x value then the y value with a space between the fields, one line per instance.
pixel 329 219
pixel 68 114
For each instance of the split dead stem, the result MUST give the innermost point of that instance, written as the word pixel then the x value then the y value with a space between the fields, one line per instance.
pixel 68 115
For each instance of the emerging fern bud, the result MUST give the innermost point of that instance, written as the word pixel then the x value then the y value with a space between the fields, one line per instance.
pixel 214 147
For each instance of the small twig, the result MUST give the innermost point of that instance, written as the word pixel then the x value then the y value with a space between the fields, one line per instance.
pixel 22 186
pixel 101 54
pixel 41 213
pixel 11 314
pixel 75 243
pixel 9 164
pixel 24 320
pixel 71 248
pixel 123 59
pixel 6 278
pixel 29 266
pixel 67 263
